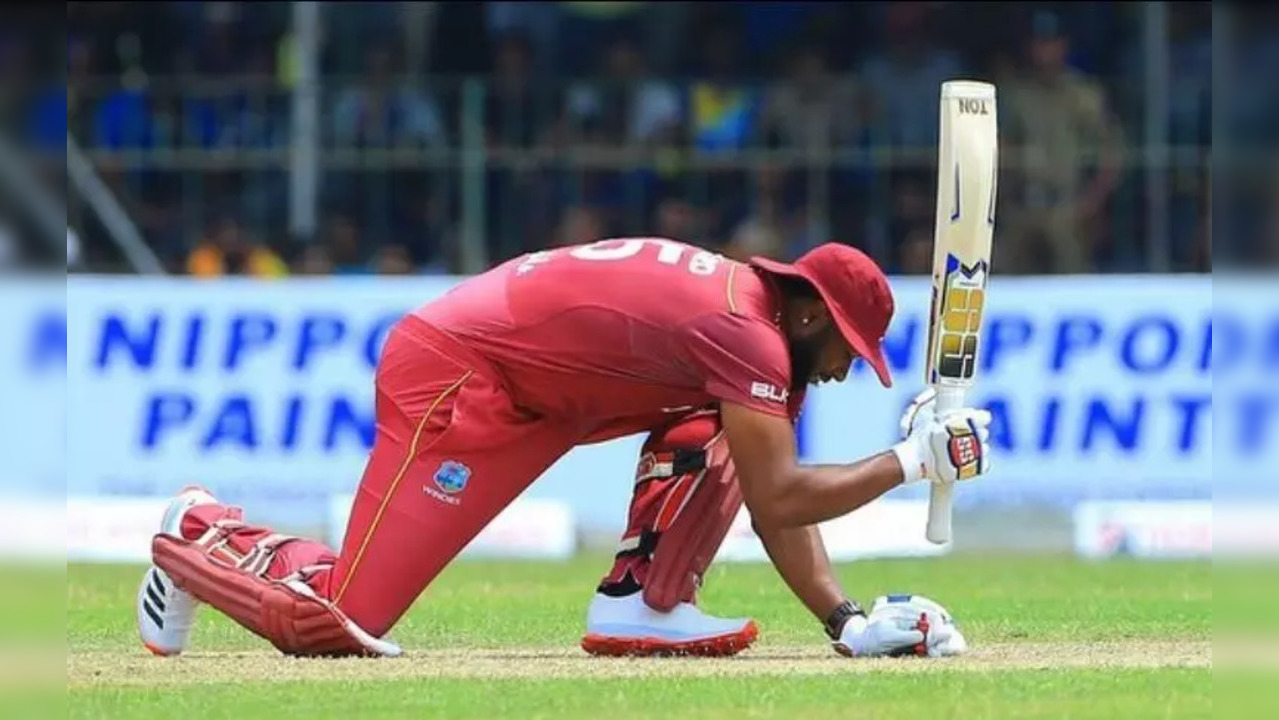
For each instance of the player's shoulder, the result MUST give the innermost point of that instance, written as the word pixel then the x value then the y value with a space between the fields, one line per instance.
pixel 745 358
pixel 744 334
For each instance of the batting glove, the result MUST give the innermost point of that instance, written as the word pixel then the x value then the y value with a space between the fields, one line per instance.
pixel 944 448
pixel 901 625
pixel 922 409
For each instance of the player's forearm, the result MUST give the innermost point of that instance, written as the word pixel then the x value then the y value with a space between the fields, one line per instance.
pixel 817 493
pixel 800 558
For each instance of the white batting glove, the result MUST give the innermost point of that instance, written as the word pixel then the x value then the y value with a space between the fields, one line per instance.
pixel 921 409
pixel 946 448
pixel 901 625
pixel 942 638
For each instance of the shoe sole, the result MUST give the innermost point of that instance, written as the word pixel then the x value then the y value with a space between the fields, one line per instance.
pixel 158 652
pixel 717 646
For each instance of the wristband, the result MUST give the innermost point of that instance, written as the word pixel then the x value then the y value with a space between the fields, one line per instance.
pixel 907 453
pixel 840 615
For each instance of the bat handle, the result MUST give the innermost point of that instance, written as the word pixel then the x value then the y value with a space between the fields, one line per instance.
pixel 940 499
pixel 941 495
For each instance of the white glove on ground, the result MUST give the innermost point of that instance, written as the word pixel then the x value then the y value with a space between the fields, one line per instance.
pixel 946 448
pixel 901 625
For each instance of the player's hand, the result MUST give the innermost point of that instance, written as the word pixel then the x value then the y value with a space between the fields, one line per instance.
pixel 946 448
pixel 901 625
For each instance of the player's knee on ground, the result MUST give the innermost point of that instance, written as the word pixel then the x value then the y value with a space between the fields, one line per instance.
pixel 260 578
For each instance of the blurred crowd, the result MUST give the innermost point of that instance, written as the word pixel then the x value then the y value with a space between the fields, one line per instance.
pixel 760 127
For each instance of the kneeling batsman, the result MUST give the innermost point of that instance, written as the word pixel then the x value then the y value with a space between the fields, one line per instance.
pixel 645 605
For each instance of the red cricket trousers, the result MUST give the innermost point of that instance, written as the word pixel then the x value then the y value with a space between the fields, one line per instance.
pixel 451 452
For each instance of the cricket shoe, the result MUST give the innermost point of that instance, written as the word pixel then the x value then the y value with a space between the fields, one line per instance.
pixel 626 626
pixel 165 612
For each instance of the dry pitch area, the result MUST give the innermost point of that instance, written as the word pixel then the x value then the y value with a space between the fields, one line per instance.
pixel 1051 638
pixel 91 669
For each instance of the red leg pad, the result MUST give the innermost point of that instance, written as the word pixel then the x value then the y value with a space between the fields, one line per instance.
pixel 688 546
pixel 295 623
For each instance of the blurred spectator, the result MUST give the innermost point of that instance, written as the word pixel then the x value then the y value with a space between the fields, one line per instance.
pixel 679 220
pixel 811 108
pixel 903 80
pixel 393 260
pixel 722 107
pixel 314 260
pixel 124 120
pixel 770 222
pixel 50 112
pixel 351 27
pixel 626 104
pixel 579 225
pixel 599 71
pixel 754 236
pixel 227 251
pixel 511 107
pixel 584 27
pixel 1063 156
pixel 345 250
pixel 221 47
pixel 539 23
pixel 916 252
pixel 913 202
pixel 382 111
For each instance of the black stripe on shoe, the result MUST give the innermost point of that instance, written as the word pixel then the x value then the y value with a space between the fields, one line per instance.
pixel 159 622
pixel 157 582
pixel 159 603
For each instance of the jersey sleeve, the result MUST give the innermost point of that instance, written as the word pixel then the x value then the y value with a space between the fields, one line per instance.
pixel 744 361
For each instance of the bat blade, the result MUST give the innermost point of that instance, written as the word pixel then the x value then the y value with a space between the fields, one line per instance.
pixel 967 178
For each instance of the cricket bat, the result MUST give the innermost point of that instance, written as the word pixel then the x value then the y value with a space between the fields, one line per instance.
pixel 967 169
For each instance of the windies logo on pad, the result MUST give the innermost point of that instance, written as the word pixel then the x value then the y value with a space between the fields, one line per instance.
pixel 451 478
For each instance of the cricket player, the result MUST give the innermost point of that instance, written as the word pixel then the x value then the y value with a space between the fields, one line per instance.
pixel 481 390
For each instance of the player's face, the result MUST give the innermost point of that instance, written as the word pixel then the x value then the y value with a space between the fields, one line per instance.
pixel 835 358
pixel 818 352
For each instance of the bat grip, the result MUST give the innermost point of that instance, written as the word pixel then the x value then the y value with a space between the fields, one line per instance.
pixel 941 495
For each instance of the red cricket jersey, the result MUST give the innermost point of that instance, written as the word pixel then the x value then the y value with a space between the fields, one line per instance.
pixel 619 333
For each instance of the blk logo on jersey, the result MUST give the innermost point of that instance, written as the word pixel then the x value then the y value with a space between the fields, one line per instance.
pixel 450 480
pixel 770 392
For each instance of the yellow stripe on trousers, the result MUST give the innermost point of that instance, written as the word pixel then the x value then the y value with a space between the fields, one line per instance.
pixel 404 468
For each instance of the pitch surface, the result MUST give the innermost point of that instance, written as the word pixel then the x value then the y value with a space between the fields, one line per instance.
pixel 1051 637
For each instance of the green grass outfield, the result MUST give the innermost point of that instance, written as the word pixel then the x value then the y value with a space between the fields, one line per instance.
pixel 1051 637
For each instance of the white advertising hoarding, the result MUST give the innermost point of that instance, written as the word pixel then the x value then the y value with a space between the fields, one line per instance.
pixel 1102 388
pixel 880 529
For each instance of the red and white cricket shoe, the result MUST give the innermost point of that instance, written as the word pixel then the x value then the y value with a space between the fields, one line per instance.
pixel 165 612
pixel 626 626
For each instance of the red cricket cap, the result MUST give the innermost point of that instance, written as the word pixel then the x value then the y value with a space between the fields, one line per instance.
pixel 856 294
